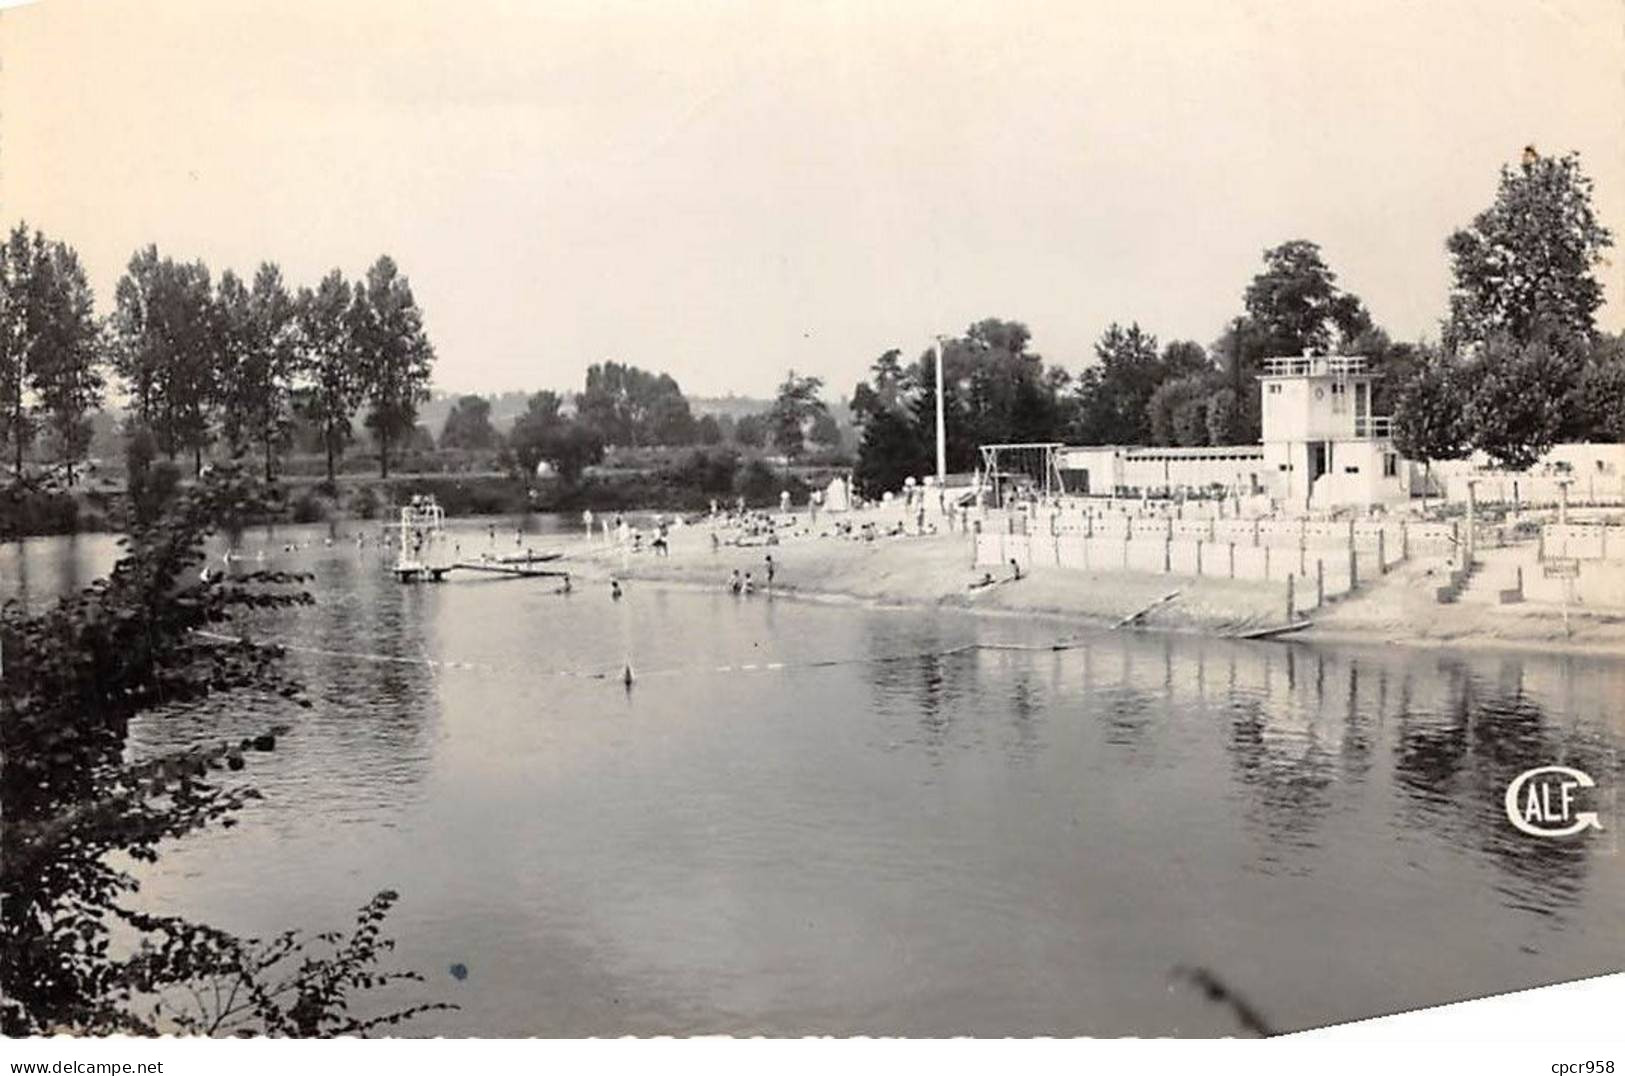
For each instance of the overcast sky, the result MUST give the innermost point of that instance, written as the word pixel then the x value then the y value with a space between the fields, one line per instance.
pixel 725 190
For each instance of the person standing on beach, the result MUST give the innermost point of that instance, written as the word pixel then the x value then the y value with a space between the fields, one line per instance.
pixel 586 521
pixel 734 582
pixel 772 570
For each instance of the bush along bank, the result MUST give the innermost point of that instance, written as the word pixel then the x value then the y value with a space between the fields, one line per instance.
pixel 682 483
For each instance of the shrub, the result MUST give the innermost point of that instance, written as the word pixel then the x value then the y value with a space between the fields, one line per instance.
pixel 309 508
pixel 364 502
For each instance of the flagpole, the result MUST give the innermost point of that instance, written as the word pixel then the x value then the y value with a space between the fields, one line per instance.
pixel 942 429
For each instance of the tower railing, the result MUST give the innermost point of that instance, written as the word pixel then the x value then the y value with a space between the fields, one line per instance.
pixel 1315 366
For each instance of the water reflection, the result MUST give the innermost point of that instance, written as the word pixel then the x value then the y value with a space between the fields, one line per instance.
pixel 814 819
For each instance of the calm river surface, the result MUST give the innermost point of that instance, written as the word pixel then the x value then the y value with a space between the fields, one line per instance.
pixel 897 840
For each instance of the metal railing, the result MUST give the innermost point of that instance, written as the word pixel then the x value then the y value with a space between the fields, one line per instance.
pixel 1315 365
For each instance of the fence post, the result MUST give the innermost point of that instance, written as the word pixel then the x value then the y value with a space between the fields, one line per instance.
pixel 1382 551
pixel 1354 569
pixel 1320 582
pixel 1126 541
pixel 1167 555
pixel 1255 534
pixel 1303 555
pixel 1290 612
pixel 1266 562
pixel 1198 556
pixel 1232 560
pixel 1404 540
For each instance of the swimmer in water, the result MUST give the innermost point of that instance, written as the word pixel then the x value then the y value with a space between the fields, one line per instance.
pixel 750 586
pixel 615 589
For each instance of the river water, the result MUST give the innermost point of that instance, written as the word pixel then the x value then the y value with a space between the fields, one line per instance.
pixel 807 818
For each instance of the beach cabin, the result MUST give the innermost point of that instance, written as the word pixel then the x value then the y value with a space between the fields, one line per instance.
pixel 1323 447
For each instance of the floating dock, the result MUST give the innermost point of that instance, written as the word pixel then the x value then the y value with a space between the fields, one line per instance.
pixel 410 573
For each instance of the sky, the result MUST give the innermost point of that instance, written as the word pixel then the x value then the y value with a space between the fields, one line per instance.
pixel 726 190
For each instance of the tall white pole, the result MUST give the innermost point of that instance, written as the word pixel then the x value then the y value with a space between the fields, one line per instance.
pixel 942 429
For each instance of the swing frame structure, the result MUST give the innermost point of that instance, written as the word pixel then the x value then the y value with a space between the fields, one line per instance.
pixel 1035 462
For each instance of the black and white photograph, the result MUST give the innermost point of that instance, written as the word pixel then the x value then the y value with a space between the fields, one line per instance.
pixel 731 519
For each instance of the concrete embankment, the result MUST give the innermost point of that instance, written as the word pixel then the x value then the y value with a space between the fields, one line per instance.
pixel 1398 608
pixel 936 571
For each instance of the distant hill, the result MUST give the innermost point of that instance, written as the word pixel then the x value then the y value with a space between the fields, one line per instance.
pixel 733 406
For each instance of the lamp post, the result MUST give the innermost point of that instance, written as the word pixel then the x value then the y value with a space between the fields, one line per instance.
pixel 942 429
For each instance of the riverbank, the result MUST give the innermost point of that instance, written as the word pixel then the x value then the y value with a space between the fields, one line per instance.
pixel 935 571
pixel 1400 609
pixel 929 571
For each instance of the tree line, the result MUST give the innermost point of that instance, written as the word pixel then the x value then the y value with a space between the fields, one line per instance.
pixel 206 361
pixel 623 406
pixel 1519 366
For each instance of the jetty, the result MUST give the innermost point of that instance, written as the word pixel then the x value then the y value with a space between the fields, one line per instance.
pixel 423 554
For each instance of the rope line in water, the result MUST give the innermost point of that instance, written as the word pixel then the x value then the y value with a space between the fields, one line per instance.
pixel 766 666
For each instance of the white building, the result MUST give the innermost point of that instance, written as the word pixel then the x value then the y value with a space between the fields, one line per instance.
pixel 1322 445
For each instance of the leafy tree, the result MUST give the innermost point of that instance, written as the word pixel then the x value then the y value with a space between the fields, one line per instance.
pixel 888 386
pixel 825 432
pixel 794 411
pixel 150 483
pixel 892 448
pixel 570 445
pixel 1221 417
pixel 1601 392
pixel 751 431
pixel 1178 410
pixel 1524 266
pixel 393 353
pixel 1516 406
pixel 708 431
pixel 167 349
pixel 1114 394
pixel 262 359
pixel 994 390
pixel 18 326
pixel 1428 420
pixel 328 355
pixel 79 801
pixel 50 348
pixel 468 426
pixel 1296 304
pixel 629 406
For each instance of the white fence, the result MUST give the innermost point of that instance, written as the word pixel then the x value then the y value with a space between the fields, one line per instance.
pixel 1399 537
pixel 1314 574
pixel 1582 541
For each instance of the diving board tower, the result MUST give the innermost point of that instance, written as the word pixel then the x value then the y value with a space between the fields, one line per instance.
pixel 1015 469
pixel 1323 448
pixel 420 541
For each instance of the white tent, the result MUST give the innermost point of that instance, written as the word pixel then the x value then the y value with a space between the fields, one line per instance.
pixel 836 498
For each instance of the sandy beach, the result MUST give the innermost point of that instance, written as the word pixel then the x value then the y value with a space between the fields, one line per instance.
pixel 935 570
